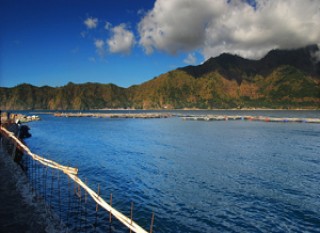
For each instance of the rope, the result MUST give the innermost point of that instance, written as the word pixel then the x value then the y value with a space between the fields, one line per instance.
pixel 122 218
pixel 38 158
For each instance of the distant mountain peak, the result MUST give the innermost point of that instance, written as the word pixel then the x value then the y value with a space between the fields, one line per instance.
pixel 235 67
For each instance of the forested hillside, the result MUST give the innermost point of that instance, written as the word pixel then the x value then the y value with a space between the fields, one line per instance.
pixel 282 79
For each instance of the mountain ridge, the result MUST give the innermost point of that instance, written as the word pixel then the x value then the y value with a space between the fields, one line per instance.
pixel 299 58
pixel 281 79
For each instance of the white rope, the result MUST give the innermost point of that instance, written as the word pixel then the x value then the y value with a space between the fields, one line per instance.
pixel 122 218
pixel 46 162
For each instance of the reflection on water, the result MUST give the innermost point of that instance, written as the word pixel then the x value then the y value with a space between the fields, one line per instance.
pixel 230 176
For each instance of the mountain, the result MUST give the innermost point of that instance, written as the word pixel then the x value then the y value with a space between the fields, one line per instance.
pixel 71 96
pixel 281 79
pixel 235 67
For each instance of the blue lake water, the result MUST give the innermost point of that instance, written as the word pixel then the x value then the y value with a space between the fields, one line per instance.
pixel 197 176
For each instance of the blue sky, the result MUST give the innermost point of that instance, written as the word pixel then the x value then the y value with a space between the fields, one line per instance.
pixel 127 42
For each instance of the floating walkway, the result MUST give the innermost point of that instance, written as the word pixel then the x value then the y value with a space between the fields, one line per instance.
pixel 252 118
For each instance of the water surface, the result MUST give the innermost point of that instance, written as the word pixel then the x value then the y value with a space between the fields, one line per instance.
pixel 217 176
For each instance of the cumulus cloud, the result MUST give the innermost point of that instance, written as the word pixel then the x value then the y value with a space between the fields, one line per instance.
pixel 122 40
pixel 190 59
pixel 91 22
pixel 177 25
pixel 99 44
pixel 234 26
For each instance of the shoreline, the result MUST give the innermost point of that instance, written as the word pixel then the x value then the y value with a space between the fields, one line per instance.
pixel 21 210
pixel 50 111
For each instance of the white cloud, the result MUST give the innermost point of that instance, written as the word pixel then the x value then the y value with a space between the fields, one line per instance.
pixel 91 22
pixel 316 55
pixel 141 12
pixel 216 26
pixel 107 26
pixel 177 25
pixel 121 41
pixel 190 59
pixel 99 44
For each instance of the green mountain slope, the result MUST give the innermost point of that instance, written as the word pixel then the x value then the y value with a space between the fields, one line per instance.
pixel 285 87
pixel 71 96
pixel 282 79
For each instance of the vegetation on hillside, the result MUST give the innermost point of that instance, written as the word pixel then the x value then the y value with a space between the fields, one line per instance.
pixel 224 82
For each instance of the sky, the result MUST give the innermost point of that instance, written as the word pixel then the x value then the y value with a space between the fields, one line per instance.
pixel 128 42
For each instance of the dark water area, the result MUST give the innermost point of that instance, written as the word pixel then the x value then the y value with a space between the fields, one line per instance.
pixel 197 176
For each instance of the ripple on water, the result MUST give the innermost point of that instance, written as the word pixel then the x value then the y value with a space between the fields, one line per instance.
pixel 233 176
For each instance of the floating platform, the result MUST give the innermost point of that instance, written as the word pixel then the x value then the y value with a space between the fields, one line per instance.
pixel 115 115
pixel 252 118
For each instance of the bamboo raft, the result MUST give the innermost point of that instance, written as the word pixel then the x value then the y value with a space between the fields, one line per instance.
pixel 193 117
pixel 115 115
pixel 252 118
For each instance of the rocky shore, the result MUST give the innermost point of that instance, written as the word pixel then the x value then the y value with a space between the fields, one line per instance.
pixel 7 117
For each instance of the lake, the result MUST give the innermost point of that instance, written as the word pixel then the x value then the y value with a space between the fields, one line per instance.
pixel 197 176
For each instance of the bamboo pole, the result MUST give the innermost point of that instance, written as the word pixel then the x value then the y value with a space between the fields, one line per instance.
pixel 97 206
pixel 131 214
pixel 15 146
pixel 152 222
pixel 38 158
pixel 121 217
pixel 110 214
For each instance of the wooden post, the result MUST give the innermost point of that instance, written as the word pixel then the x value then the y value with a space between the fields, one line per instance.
pixel 152 221
pixel 110 214
pixel 79 192
pixel 85 193
pixel 15 145
pixel 131 215
pixel 75 188
pixel 97 205
pixel 59 194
